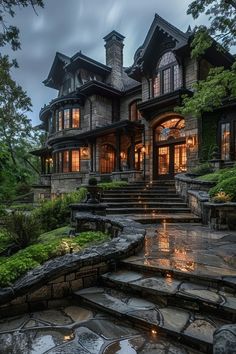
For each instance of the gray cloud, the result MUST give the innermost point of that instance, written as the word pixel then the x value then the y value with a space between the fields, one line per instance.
pixel 72 25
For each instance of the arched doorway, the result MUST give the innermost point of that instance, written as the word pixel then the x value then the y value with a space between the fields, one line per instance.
pixel 169 147
pixel 107 160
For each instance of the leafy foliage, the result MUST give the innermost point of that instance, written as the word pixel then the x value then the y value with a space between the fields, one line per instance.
pixel 111 185
pixel 23 228
pixel 220 83
pixel 15 266
pixel 9 33
pixel 228 186
pixel 202 169
pixel 55 213
pixel 219 175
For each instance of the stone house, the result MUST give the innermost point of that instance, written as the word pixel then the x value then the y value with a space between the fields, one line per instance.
pixel 119 123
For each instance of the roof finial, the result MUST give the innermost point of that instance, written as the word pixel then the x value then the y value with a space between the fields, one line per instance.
pixel 189 30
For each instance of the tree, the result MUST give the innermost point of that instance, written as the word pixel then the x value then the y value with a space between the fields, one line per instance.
pixel 220 83
pixel 10 34
pixel 16 133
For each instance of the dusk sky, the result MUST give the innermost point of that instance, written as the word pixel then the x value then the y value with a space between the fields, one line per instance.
pixel 68 26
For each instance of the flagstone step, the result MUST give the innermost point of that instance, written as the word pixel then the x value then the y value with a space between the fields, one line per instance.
pixel 140 194
pixel 143 210
pixel 169 218
pixel 170 291
pixel 209 275
pixel 142 199
pixel 147 204
pixel 195 329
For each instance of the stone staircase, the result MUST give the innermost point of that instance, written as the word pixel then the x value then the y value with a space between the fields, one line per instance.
pixel 149 202
pixel 189 309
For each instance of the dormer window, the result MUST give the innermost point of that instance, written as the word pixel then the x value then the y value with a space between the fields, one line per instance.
pixel 167 75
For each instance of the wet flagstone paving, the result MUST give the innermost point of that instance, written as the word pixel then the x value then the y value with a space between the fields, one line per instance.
pixel 189 248
pixel 76 330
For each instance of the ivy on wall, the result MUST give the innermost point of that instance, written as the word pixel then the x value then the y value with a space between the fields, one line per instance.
pixel 209 136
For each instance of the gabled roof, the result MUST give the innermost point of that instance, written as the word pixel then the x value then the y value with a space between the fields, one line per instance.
pixel 87 62
pixel 176 37
pixel 57 70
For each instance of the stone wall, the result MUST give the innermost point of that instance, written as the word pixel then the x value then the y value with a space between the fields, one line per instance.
pixel 67 182
pixel 47 285
pixel 125 104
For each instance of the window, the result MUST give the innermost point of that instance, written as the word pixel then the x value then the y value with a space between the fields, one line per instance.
pixel 75 161
pixel 60 120
pixel 75 118
pixel 66 88
pixel 225 141
pixel 134 113
pixel 170 130
pixel 66 161
pixel 167 75
pixel 66 118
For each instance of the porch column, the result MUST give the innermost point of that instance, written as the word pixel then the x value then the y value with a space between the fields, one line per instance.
pixel 95 156
pixel 43 165
pixel 91 156
pixel 132 150
pixel 117 165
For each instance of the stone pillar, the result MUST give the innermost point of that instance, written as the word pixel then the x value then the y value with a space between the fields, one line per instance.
pixel 91 156
pixel 117 164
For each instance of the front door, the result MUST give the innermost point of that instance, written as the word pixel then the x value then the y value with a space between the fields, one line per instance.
pixel 169 148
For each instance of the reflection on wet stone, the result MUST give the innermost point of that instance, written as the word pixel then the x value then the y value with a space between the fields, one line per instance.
pixel 89 340
pixel 128 346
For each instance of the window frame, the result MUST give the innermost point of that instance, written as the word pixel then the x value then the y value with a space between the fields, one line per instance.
pixel 159 71
pixel 138 115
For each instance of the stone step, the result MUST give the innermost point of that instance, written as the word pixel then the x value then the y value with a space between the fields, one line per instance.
pixel 211 276
pixel 170 291
pixel 169 218
pixel 195 329
pixel 147 204
pixel 138 199
pixel 141 194
pixel 142 210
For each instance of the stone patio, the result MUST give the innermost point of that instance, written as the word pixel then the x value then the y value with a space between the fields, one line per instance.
pixel 169 298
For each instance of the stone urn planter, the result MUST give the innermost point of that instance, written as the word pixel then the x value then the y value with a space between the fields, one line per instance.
pixel 94 192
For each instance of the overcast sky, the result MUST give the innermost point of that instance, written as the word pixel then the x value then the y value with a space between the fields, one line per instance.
pixel 68 26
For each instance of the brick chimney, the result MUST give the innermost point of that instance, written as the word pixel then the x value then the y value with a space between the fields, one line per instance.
pixel 114 57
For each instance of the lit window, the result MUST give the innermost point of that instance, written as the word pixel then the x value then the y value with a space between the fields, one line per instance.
pixel 66 119
pixel 66 161
pixel 134 112
pixel 60 120
pixel 75 163
pixel 75 118
pixel 60 162
pixel 225 141
pixel 167 75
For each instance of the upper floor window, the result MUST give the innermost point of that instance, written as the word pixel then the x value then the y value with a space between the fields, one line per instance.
pixel 67 118
pixel 134 114
pixel 66 87
pixel 167 75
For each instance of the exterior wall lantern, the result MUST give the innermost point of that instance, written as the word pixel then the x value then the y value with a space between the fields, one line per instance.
pixel 123 155
pixel 84 153
pixel 191 141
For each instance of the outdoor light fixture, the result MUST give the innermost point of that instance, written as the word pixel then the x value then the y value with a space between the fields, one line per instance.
pixel 84 152
pixel 191 141
pixel 143 149
pixel 122 155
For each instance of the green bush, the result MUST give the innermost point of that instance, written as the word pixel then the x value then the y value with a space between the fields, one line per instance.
pixel 202 169
pixel 111 185
pixel 4 240
pixel 13 267
pixel 227 185
pixel 23 228
pixel 56 213
pixel 227 173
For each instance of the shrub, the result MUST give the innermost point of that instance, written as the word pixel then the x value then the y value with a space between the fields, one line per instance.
pixel 227 173
pixel 202 169
pixel 111 185
pixel 23 228
pixel 55 213
pixel 92 181
pixel 228 186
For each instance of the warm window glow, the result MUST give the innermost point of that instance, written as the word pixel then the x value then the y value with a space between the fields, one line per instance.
pixel 107 161
pixel 134 112
pixel 66 161
pixel 225 141
pixel 163 160
pixel 60 120
pixel 167 76
pixel 66 118
pixel 75 161
pixel 171 129
pixel 75 118
pixel 60 162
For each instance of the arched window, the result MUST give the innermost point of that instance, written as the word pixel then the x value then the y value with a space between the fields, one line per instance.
pixel 134 114
pixel 107 160
pixel 170 130
pixel 167 75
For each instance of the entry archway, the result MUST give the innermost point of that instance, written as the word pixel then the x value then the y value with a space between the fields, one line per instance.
pixel 169 146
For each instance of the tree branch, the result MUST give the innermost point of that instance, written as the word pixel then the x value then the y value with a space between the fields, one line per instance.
pixel 231 2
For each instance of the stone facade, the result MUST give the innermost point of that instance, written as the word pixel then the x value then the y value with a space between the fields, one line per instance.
pixel 107 119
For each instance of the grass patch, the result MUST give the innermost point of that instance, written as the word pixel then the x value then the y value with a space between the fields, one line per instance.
pixel 4 240
pixel 53 244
